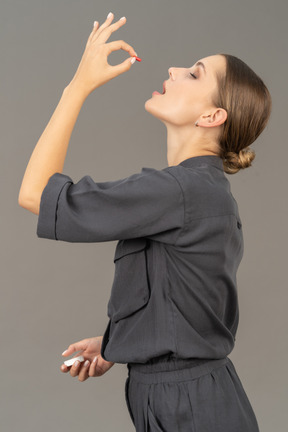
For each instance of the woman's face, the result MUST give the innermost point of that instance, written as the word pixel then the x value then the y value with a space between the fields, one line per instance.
pixel 186 98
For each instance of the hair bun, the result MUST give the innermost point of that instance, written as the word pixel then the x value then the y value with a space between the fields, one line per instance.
pixel 233 161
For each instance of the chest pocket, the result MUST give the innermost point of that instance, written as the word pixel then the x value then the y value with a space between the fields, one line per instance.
pixel 130 290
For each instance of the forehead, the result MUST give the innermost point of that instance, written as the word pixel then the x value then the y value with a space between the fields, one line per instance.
pixel 212 63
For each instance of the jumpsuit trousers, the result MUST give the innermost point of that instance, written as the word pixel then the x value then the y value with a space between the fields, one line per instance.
pixel 168 394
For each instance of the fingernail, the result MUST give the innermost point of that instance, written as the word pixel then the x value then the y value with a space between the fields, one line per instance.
pixel 86 363
pixel 95 23
pixel 76 363
pixel 122 18
pixel 133 59
pixel 64 352
pixel 94 360
pixel 109 15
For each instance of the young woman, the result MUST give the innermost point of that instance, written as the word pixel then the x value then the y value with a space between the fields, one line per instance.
pixel 173 310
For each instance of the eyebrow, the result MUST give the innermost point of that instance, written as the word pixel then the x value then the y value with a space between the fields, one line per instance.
pixel 201 64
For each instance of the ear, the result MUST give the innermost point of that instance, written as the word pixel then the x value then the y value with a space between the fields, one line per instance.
pixel 214 118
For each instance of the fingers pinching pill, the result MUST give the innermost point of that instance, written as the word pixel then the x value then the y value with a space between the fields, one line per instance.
pixel 70 362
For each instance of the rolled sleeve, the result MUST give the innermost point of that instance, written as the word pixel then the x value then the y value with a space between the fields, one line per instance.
pixel 142 204
pixel 46 226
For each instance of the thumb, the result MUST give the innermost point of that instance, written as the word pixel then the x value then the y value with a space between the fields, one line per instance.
pixel 124 66
pixel 74 347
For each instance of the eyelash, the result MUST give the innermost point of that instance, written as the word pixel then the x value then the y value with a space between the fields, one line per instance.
pixel 194 76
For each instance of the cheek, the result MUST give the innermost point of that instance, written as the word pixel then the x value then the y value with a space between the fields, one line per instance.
pixel 183 104
pixel 187 96
pixel 177 112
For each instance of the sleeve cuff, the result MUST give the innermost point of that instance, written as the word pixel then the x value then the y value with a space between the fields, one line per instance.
pixel 46 226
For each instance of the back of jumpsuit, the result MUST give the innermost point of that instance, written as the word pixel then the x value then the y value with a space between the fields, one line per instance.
pixel 173 308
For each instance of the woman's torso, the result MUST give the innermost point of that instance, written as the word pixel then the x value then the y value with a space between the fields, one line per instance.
pixel 175 292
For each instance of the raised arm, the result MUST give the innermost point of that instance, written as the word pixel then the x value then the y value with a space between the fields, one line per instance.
pixel 48 156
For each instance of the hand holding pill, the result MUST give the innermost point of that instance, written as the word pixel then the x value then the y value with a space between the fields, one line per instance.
pixel 87 363
pixel 94 69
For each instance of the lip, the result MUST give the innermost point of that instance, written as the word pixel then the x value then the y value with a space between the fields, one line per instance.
pixel 163 92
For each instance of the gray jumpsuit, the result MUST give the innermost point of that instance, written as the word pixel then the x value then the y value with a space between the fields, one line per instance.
pixel 173 308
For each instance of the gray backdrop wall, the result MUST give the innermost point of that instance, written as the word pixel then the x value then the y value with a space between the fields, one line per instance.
pixel 56 293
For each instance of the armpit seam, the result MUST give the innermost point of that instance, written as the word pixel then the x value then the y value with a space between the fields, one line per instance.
pixel 184 206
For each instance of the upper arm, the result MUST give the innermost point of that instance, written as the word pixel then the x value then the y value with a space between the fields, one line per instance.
pixel 142 204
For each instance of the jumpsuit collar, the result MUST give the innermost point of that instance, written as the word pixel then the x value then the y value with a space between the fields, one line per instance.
pixel 214 160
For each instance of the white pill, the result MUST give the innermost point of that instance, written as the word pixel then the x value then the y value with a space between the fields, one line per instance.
pixel 71 361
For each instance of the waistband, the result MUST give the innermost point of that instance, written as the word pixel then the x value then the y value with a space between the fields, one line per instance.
pixel 161 369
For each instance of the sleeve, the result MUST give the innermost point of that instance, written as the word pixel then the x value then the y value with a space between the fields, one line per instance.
pixel 140 205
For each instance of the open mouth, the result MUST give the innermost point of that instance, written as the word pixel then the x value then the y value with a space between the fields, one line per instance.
pixel 163 91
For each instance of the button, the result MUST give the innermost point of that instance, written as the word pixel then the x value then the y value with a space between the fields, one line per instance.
pixel 239 224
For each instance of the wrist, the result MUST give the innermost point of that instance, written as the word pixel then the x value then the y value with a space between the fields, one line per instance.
pixel 76 87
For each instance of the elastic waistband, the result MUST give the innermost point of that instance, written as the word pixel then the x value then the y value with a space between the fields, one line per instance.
pixel 172 369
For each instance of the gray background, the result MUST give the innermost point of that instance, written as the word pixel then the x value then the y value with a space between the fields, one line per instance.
pixel 56 293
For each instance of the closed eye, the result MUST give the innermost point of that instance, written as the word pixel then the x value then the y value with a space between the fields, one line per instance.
pixel 194 76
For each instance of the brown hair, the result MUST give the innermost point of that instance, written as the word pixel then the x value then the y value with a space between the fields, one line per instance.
pixel 245 97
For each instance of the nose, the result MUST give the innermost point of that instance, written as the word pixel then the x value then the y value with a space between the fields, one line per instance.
pixel 170 71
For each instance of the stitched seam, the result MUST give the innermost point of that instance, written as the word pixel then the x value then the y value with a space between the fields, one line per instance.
pixel 68 181
pixel 223 214
pixel 173 314
pixel 184 207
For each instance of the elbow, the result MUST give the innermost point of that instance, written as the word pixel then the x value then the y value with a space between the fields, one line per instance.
pixel 30 204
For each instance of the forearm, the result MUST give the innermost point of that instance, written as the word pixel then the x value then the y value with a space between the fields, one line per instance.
pixel 49 154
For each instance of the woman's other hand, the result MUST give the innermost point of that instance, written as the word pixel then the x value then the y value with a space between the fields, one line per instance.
pixel 94 69
pixel 89 349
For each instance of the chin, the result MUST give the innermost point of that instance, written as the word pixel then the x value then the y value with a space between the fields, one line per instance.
pixel 149 99
pixel 146 105
pixel 153 109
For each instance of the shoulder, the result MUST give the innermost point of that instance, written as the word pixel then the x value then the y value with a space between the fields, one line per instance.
pixel 165 178
pixel 190 179
pixel 205 185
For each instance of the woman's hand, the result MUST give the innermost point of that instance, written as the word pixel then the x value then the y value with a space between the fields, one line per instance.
pixel 89 349
pixel 94 69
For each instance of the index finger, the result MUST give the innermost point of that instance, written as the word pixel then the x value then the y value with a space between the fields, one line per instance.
pixel 107 31
pixel 64 368
pixel 120 44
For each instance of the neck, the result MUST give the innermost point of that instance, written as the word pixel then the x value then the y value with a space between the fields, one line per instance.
pixel 189 143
